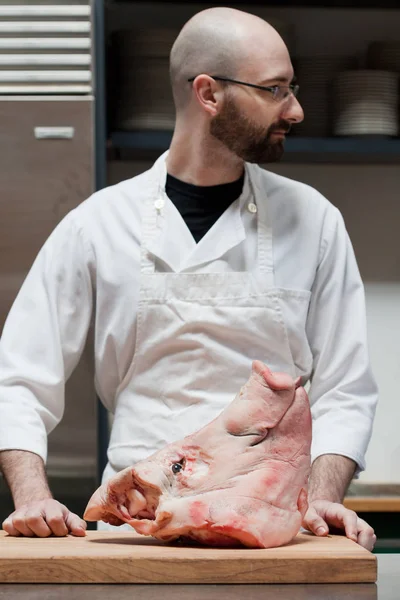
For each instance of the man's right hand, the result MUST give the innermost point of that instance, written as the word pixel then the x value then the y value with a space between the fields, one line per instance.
pixel 44 518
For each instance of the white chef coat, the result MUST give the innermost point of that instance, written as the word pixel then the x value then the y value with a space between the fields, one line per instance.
pixel 92 259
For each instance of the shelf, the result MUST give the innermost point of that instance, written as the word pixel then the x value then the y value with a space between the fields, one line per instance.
pixel 297 149
pixel 142 140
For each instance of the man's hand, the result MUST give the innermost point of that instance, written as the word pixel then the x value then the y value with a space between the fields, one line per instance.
pixel 44 518
pixel 37 513
pixel 329 480
pixel 323 516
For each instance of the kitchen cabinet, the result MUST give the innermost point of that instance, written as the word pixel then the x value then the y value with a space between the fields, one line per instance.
pixel 47 169
pixel 41 178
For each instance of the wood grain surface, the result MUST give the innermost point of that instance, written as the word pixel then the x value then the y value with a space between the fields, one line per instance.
pixel 109 557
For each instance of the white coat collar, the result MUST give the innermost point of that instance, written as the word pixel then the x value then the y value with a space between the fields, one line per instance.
pixel 172 241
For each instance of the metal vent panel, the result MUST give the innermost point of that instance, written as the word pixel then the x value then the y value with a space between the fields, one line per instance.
pixel 45 48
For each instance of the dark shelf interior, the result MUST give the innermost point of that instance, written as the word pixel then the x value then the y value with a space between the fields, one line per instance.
pixel 297 149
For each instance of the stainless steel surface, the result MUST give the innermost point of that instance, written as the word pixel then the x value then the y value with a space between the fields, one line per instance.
pixel 30 60
pixel 33 88
pixel 45 76
pixel 21 71
pixel 41 181
pixel 21 10
pixel 38 43
pixel 387 588
pixel 44 27
pixel 190 592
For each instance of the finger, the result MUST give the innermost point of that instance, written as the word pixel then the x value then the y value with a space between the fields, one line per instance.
pixel 36 522
pixel 366 540
pixel 366 535
pixel 9 527
pixel 55 519
pixel 350 520
pixel 315 523
pixel 19 523
pixel 75 524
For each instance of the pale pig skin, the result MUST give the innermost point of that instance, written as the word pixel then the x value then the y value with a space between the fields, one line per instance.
pixel 241 479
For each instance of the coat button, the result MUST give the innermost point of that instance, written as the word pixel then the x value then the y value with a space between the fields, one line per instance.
pixel 159 204
pixel 251 207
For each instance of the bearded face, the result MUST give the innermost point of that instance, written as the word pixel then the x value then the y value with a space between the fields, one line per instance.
pixel 244 137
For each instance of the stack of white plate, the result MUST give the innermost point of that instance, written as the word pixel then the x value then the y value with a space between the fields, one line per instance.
pixel 144 97
pixel 384 56
pixel 366 103
pixel 315 75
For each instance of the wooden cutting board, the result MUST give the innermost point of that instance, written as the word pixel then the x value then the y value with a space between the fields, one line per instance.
pixel 125 557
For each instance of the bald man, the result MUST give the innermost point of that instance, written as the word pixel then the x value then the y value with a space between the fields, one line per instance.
pixel 196 268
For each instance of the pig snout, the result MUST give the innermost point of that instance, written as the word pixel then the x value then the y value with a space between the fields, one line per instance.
pixel 94 509
pixel 124 498
pixel 135 492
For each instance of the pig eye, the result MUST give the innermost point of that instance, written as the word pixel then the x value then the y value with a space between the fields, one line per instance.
pixel 178 466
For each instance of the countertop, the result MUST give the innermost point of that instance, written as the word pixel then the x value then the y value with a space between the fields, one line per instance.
pixel 387 588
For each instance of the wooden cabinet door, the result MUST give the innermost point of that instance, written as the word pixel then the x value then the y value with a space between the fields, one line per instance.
pixel 41 180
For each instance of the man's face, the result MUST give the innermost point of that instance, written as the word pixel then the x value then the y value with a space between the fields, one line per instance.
pixel 251 141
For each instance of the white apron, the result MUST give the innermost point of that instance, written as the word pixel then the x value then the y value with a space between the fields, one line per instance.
pixel 197 335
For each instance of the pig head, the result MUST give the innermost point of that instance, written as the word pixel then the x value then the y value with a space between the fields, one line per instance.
pixel 240 479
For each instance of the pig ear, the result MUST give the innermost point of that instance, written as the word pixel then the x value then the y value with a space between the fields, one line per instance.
pixel 275 381
pixel 302 502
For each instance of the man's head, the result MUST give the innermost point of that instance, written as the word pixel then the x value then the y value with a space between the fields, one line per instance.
pixel 247 121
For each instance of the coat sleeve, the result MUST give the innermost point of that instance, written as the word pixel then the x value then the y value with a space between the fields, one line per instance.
pixel 343 392
pixel 43 339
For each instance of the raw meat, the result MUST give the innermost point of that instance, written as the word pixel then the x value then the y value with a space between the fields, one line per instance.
pixel 241 479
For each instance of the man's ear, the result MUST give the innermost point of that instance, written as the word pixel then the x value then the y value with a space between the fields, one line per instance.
pixel 208 94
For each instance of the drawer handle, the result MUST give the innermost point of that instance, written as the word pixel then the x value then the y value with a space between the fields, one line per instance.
pixel 54 133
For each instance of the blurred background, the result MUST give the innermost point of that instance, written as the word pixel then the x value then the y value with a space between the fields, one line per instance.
pixel 85 102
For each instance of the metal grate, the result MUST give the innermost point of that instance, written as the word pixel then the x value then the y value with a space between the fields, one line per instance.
pixel 45 49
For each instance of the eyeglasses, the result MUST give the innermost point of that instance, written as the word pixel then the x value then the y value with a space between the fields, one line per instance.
pixel 279 92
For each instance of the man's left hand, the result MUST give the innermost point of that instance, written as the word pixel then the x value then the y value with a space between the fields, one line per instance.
pixel 323 516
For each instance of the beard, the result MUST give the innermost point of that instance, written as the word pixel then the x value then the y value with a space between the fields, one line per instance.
pixel 245 138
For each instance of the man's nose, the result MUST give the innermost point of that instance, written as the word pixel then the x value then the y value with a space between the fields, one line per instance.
pixel 293 111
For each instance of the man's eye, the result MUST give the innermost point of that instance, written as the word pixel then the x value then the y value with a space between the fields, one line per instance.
pixel 276 91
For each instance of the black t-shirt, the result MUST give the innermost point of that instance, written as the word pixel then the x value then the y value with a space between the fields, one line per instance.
pixel 201 206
